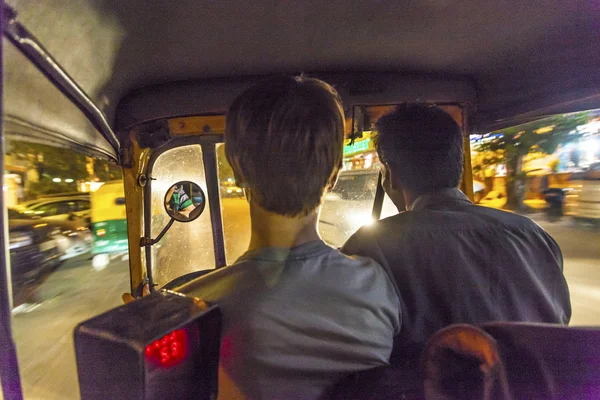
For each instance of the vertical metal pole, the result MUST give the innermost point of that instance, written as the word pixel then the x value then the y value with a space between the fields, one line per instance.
pixel 467 180
pixel 379 197
pixel 9 366
pixel 209 155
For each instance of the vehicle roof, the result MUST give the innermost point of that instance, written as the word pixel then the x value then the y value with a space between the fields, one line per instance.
pixel 40 202
pixel 112 188
pixel 513 60
pixel 71 194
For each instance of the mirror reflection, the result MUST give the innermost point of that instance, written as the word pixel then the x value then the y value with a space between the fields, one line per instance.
pixel 185 201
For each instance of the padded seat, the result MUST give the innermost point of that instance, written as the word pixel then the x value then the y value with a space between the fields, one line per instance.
pixel 494 361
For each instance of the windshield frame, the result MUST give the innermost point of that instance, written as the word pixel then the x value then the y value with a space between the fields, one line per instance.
pixel 207 143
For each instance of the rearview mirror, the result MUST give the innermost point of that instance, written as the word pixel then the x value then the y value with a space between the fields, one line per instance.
pixel 185 201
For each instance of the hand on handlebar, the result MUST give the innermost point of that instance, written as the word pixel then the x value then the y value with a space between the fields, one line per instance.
pixel 128 297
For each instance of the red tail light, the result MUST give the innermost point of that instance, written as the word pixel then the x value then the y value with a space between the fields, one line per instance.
pixel 168 350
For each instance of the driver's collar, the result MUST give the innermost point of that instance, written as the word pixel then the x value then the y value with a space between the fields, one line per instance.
pixel 444 197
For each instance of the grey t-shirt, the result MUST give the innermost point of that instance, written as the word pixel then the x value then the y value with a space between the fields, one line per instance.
pixel 297 320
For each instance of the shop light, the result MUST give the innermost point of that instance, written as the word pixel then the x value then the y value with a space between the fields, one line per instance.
pixel 69 180
pixel 57 180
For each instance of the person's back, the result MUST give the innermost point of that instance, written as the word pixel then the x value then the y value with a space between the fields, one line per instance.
pixel 298 320
pixel 453 261
pixel 457 262
pixel 297 314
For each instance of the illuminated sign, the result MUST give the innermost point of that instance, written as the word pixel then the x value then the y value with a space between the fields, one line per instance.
pixel 358 147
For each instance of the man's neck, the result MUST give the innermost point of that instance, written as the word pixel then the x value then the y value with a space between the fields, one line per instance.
pixel 274 230
pixel 411 197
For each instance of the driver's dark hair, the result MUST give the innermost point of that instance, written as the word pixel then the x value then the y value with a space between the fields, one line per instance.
pixel 284 140
pixel 422 145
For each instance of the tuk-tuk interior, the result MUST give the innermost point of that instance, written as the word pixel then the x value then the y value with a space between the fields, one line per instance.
pixel 147 85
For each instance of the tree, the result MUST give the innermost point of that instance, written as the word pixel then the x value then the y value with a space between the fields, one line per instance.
pixel 511 145
pixel 51 163
pixel 484 167
pixel 106 171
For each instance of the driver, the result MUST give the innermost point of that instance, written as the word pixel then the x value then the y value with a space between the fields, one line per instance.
pixel 298 314
pixel 179 201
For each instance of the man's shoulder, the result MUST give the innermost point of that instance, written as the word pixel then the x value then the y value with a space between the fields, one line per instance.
pixel 358 264
pixel 501 217
pixel 443 223
pixel 469 215
pixel 222 282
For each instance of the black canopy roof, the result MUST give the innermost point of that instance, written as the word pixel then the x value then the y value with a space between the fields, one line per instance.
pixel 512 60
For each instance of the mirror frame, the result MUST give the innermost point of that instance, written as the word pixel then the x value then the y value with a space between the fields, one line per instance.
pixel 197 213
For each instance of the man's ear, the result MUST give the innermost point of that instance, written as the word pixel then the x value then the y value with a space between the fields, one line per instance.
pixel 391 178
pixel 334 177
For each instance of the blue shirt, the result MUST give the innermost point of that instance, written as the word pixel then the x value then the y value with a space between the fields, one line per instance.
pixel 455 262
pixel 297 320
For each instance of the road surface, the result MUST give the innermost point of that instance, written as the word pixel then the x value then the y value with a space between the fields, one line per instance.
pixel 75 292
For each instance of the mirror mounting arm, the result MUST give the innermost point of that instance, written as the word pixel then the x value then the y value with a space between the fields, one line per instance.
pixel 151 242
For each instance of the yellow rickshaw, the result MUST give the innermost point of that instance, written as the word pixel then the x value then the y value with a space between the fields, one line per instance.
pixel 147 85
pixel 109 222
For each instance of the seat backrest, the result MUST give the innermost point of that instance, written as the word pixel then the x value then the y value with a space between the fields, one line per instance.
pixel 495 361
pixel 459 362
pixel 382 383
pixel 547 361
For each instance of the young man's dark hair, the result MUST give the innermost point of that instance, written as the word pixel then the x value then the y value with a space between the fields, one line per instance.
pixel 300 117
pixel 452 261
pixel 423 145
pixel 297 314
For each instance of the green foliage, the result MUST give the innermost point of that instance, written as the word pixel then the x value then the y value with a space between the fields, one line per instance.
pixel 54 162
pixel 107 171
pixel 518 141
pixel 514 143
pixel 46 186
pixel 51 162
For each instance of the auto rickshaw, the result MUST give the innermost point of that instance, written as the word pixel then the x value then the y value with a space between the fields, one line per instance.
pixel 147 85
pixel 109 223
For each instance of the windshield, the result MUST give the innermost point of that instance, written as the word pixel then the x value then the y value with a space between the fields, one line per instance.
pixel 186 247
pixel 348 206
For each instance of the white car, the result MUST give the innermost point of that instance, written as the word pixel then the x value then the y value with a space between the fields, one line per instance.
pixel 71 208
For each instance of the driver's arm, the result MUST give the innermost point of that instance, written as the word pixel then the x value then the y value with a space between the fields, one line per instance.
pixel 227 388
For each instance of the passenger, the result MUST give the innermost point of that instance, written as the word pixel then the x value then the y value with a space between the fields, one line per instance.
pixel 298 314
pixel 453 261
